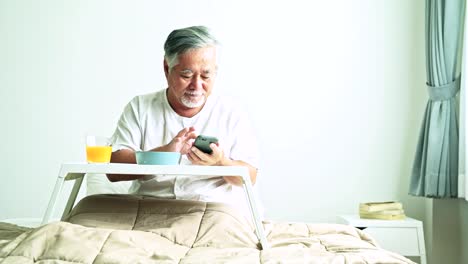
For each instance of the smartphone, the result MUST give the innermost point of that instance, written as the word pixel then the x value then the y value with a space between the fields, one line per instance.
pixel 203 143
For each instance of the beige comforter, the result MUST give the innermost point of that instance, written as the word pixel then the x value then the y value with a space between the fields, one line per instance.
pixel 136 229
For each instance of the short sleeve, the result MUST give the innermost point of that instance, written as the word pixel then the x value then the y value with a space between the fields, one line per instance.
pixel 245 146
pixel 128 134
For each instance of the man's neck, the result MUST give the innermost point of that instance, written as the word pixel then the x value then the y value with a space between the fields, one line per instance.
pixel 187 112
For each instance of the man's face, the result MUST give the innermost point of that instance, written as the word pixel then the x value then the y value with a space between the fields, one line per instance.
pixel 191 80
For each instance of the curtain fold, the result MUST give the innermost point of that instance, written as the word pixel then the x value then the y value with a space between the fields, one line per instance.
pixel 435 167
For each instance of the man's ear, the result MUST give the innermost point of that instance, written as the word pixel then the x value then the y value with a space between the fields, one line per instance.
pixel 166 68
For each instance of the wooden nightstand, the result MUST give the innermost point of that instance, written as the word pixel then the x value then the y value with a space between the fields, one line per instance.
pixel 405 237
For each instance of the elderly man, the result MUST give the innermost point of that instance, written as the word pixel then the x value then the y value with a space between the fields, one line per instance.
pixel 170 120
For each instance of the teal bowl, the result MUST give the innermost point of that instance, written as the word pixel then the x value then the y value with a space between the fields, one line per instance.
pixel 157 158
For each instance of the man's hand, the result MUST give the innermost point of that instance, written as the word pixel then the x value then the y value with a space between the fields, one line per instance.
pixel 217 158
pixel 198 157
pixel 182 142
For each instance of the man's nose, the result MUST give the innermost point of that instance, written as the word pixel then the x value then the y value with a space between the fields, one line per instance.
pixel 197 82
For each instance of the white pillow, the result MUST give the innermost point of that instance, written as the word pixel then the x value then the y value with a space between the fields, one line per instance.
pixel 98 183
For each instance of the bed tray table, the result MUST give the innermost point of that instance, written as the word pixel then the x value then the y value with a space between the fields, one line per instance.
pixel 77 171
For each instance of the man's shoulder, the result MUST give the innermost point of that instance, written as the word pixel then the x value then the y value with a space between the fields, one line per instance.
pixel 226 102
pixel 149 98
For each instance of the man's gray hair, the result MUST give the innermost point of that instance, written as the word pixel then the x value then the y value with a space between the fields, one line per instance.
pixel 182 40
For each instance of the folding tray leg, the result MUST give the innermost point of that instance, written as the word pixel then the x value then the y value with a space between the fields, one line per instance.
pixel 53 199
pixel 72 197
pixel 254 212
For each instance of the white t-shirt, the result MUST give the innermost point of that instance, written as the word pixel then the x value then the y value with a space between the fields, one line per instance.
pixel 148 121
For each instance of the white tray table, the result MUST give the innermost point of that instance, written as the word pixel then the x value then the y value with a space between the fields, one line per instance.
pixel 77 171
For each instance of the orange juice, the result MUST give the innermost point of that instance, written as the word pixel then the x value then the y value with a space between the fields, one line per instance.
pixel 98 154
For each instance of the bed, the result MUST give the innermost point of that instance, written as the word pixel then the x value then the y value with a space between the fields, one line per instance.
pixel 119 228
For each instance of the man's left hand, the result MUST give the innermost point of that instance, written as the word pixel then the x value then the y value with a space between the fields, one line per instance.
pixel 198 157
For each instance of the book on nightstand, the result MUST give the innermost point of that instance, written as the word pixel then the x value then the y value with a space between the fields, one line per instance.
pixel 382 211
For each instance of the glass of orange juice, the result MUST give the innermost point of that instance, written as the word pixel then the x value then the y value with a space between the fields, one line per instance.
pixel 98 149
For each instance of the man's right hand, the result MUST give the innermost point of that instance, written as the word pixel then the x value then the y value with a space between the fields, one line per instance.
pixel 182 142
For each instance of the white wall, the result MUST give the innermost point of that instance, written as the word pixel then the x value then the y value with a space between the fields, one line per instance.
pixel 336 90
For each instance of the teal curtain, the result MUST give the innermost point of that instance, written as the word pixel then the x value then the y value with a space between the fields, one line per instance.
pixel 435 167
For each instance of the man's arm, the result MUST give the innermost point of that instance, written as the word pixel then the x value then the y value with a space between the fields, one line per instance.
pixel 236 180
pixel 123 156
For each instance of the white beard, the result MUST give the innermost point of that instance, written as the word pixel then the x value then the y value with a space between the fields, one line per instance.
pixel 190 103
